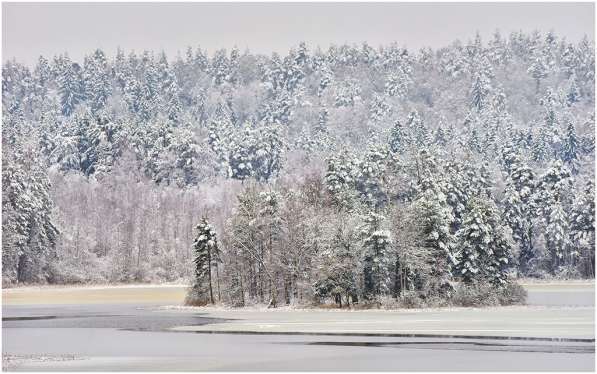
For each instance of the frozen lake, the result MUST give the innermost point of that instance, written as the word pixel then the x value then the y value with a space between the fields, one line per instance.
pixel 131 335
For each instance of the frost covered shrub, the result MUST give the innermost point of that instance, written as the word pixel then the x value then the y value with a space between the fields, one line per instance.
pixel 512 294
pixel 484 294
pixel 568 272
pixel 196 297
pixel 476 294
pixel 86 268
pixel 412 299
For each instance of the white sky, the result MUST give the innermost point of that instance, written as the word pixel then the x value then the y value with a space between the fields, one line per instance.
pixel 31 29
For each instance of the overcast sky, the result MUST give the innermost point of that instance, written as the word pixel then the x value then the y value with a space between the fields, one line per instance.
pixel 31 29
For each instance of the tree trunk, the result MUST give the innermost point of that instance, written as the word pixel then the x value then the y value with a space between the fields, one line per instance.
pixel 273 301
pixel 211 293
pixel 218 283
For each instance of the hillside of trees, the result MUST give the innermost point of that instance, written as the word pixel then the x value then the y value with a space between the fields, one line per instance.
pixel 346 174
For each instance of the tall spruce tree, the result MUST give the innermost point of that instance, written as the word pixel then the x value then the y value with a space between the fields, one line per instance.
pixel 376 242
pixel 206 255
pixel 519 208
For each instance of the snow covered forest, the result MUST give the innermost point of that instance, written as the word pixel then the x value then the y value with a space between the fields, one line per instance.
pixel 353 173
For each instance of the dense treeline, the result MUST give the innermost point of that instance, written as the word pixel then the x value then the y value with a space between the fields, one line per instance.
pixel 356 173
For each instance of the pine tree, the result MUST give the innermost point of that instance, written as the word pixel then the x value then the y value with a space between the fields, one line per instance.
pixel 242 153
pixel 187 156
pixel 376 257
pixel 538 71
pixel 75 149
pixel 347 93
pixel 43 71
pixel 440 136
pixel 435 219
pixel 326 80
pixel 479 91
pixel 220 67
pixel 70 87
pixel 569 60
pixel 200 60
pixel 557 235
pixel 549 49
pixel 234 66
pixel 97 80
pixel 500 262
pixel 379 109
pixel 369 176
pixel 473 141
pixel 397 84
pixel 206 255
pixel 474 237
pixel 106 142
pixel 541 148
pixel 322 122
pixel 552 200
pixel 339 180
pixel 221 141
pixel 171 98
pixel 269 152
pixel 29 231
pixel 519 207
pixel 484 249
pixel 570 148
pixel 582 225
pixel 399 140
pixel 417 129
pixel 573 93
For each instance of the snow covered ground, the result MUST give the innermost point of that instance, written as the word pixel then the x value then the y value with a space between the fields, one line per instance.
pixel 541 292
pixel 142 293
pixel 519 321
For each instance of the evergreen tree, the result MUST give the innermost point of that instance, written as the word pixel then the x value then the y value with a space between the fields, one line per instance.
pixel 484 250
pixel 557 236
pixel 43 72
pixel 541 148
pixel 570 148
pixel 206 255
pixel 553 200
pixel 376 257
pixel 434 218
pixel 269 152
pixel 538 71
pixel 582 225
pixel 340 181
pixel 369 176
pixel 75 149
pixel 220 67
pixel 70 87
pixel 399 140
pixel 397 84
pixel 569 60
pixel 347 93
pixel 97 80
pixel 480 91
pixel 519 207
pixel 29 232
pixel 417 129
pixel 171 99
pixel 379 109
pixel 573 92
pixel 240 162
